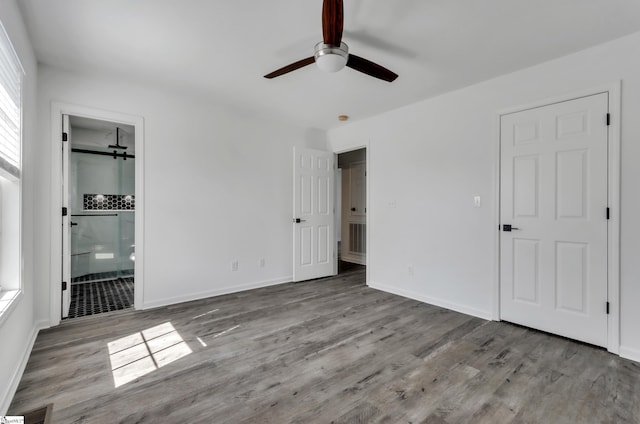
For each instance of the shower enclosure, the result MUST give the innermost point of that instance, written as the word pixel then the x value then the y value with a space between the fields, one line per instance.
pixel 102 203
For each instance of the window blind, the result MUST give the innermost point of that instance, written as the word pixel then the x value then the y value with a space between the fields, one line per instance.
pixel 10 107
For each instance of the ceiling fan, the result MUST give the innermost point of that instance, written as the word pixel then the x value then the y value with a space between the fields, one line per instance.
pixel 331 54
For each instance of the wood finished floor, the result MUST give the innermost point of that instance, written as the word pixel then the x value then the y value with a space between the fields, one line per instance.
pixel 325 351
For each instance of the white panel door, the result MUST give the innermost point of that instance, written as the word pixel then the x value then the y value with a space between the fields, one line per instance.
pixel 313 212
pixel 553 192
pixel 66 220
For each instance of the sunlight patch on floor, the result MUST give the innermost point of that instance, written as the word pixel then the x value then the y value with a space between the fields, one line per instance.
pixel 141 353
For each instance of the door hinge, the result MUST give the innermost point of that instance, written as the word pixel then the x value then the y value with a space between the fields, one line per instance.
pixel 65 136
pixel 64 211
pixel 607 213
pixel 607 308
pixel 64 285
pixel 608 119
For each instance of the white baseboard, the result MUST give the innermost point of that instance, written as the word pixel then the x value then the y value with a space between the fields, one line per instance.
pixel 629 353
pixel 12 386
pixel 433 301
pixel 216 292
pixel 354 259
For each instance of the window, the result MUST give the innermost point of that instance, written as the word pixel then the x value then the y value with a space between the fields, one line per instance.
pixel 10 172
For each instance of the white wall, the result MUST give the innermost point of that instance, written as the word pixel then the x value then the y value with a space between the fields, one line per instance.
pixel 18 331
pixel 217 186
pixel 431 158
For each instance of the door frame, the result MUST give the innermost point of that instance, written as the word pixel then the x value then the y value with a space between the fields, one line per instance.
pixel 55 283
pixel 613 194
pixel 338 214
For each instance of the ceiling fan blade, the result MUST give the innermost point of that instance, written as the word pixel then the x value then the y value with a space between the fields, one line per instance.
pixel 332 22
pixel 292 67
pixel 373 69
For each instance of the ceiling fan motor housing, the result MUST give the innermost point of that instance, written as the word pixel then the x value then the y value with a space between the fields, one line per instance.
pixel 331 58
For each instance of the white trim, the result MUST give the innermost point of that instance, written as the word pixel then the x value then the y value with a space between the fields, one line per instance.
pixel 629 353
pixel 496 223
pixel 57 110
pixel 12 385
pixel 370 211
pixel 613 234
pixel 217 292
pixel 15 301
pixel 463 309
pixel 355 259
pixel 560 98
pixel 337 212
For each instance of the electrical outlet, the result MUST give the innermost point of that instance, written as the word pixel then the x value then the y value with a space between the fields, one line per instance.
pixel 234 266
pixel 410 270
pixel 261 263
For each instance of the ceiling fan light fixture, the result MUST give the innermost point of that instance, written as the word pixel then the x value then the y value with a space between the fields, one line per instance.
pixel 331 58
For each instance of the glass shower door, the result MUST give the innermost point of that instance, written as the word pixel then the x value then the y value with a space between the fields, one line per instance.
pixel 102 215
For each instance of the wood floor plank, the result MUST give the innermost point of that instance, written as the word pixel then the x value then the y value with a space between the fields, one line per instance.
pixel 329 350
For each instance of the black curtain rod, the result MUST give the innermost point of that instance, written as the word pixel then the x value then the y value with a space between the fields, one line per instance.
pixel 114 155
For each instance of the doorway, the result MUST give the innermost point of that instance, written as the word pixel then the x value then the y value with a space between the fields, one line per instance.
pixel 351 210
pixel 99 229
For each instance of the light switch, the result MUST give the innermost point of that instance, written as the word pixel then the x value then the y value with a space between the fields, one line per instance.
pixel 476 201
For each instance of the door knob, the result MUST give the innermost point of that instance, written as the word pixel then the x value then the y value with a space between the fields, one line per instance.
pixel 73 224
pixel 508 227
pixel 298 220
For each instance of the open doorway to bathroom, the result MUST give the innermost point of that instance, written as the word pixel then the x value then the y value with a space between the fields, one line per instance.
pixel 352 210
pixel 99 170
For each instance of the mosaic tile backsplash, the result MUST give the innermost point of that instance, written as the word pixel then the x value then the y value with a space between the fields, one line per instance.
pixel 109 202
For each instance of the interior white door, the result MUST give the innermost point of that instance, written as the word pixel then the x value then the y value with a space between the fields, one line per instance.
pixel 553 194
pixel 354 240
pixel 66 220
pixel 313 212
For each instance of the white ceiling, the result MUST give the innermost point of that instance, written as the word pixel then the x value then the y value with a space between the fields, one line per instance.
pixel 222 48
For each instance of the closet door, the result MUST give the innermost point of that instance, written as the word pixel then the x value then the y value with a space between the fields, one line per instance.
pixel 553 247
